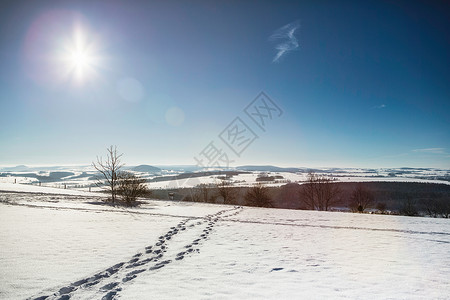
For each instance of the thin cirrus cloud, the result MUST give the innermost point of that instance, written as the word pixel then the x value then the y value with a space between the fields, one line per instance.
pixel 379 106
pixel 430 150
pixel 287 42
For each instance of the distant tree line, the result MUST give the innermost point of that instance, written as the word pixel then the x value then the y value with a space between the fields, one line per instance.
pixel 320 192
pixel 224 192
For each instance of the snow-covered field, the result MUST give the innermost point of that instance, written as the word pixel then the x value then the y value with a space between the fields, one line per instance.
pixel 28 188
pixel 82 178
pixel 56 245
pixel 250 179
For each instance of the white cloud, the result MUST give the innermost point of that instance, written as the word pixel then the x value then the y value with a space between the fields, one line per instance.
pixel 379 106
pixel 289 43
pixel 430 150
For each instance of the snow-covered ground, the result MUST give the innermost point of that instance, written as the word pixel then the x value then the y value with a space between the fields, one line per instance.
pixel 28 188
pixel 250 179
pixel 83 177
pixel 55 245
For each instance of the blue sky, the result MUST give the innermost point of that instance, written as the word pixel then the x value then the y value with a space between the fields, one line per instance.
pixel 360 83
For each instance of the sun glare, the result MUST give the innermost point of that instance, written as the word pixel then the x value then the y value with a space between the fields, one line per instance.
pixel 80 58
pixel 80 61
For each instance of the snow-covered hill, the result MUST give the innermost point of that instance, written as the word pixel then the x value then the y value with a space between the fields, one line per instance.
pixel 61 246
pixel 83 177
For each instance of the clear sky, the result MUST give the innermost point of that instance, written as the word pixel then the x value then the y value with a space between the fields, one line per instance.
pixel 359 83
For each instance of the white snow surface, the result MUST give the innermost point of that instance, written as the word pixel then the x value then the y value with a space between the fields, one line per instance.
pixel 49 242
pixel 248 179
pixel 28 188
pixel 86 182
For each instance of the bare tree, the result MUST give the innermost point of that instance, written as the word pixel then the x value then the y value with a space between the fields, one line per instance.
pixel 361 198
pixel 130 187
pixel 308 192
pixel 204 192
pixel 201 193
pixel 445 207
pixel 381 206
pixel 436 207
pixel 226 191
pixel 258 195
pixel 431 207
pixel 409 207
pixel 109 170
pixel 319 192
pixel 194 194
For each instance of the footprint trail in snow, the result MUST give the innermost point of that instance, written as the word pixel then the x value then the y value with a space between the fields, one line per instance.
pixel 108 283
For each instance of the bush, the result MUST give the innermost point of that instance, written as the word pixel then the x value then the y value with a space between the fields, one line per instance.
pixel 258 195
pixel 131 187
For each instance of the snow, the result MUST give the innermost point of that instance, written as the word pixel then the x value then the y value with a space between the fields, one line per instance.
pixel 48 242
pixel 243 179
pixel 248 179
pixel 28 188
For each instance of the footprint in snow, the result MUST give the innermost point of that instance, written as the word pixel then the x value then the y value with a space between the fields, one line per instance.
pixel 160 265
pixel 133 260
pixel 66 290
pixel 91 283
pixel 128 278
pixel 110 295
pixel 276 269
pixel 109 286
pixel 135 272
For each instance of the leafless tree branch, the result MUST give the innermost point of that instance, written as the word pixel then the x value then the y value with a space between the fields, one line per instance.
pixel 109 170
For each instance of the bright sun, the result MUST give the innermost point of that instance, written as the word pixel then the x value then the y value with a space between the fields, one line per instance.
pixel 81 62
pixel 80 58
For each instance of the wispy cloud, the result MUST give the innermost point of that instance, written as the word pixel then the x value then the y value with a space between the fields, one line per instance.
pixel 431 150
pixel 379 106
pixel 287 40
